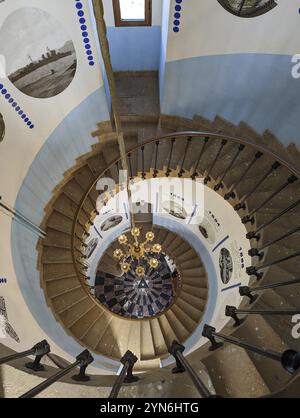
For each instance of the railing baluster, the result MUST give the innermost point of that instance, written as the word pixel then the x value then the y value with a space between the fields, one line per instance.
pixel 126 375
pixel 195 174
pixel 259 251
pixel 249 218
pixel 220 185
pixel 255 270
pixel 256 235
pixel 231 194
pixel 241 204
pixel 130 166
pixel 83 360
pixel 181 169
pixel 80 252
pixel 207 178
pixel 183 365
pixel 289 359
pixel 233 312
pixel 39 350
pixel 170 158
pixel 156 156
pixel 248 291
pixel 80 240
pixel 143 163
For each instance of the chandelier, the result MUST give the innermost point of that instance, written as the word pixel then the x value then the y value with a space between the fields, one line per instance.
pixel 137 253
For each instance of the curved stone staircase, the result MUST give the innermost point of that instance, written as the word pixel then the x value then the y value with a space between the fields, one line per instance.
pixel 250 178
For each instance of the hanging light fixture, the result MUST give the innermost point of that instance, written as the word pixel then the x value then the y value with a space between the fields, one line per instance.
pixel 137 252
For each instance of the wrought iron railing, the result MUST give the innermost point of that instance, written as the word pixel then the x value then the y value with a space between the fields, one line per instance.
pixel 39 351
pixel 258 155
pixel 201 155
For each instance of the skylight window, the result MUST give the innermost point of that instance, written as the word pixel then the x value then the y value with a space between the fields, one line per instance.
pixel 132 9
pixel 132 12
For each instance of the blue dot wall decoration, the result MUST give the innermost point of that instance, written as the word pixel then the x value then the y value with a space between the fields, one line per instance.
pixel 177 16
pixel 19 112
pixel 84 32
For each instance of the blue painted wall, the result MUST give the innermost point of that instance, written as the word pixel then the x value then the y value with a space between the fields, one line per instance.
pixel 135 49
pixel 256 88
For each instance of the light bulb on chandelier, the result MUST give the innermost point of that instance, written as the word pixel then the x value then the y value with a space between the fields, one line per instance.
pixel 137 252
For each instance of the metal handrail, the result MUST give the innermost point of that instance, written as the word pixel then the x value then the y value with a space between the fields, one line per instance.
pixel 289 359
pixel 171 137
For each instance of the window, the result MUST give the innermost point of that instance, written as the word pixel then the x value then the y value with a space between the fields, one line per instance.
pixel 132 12
pixel 248 8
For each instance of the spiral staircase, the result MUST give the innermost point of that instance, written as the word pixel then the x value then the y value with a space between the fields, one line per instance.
pixel 255 174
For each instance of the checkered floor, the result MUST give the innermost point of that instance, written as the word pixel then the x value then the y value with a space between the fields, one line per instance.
pixel 134 297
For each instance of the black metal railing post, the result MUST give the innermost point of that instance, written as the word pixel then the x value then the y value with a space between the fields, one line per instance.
pixel 82 360
pixel 233 312
pixel 248 291
pixel 182 365
pixel 220 184
pixel 256 270
pixel 231 194
pixel 170 158
pixel 258 252
pixel 181 168
pixel 143 163
pixel 39 350
pixel 155 172
pixel 242 203
pixel 256 235
pixel 130 167
pixel 195 173
pixel 210 170
pixel 289 359
pixel 250 217
pixel 126 375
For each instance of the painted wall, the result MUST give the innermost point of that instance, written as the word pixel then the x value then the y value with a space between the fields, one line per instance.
pixel 39 148
pixel 135 48
pixel 240 69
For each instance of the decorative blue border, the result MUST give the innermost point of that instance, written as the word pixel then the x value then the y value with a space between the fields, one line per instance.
pixel 6 95
pixel 85 34
pixel 177 16
pixel 231 287
pixel 220 243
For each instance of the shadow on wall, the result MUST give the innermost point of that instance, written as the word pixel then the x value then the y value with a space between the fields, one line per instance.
pixel 135 49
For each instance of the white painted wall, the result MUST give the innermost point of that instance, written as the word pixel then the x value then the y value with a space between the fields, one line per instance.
pixel 208 29
pixel 61 134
